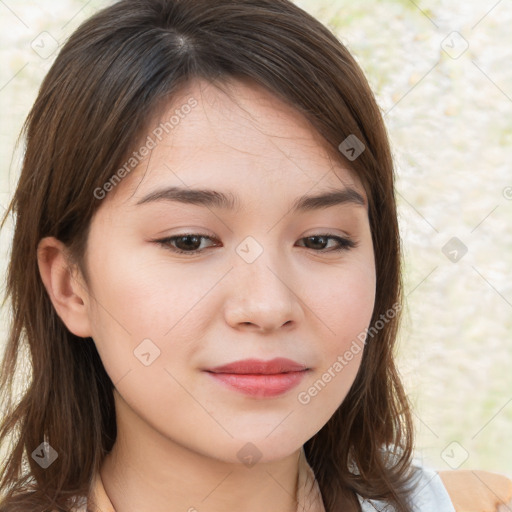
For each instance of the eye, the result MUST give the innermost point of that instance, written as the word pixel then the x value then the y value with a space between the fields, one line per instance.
pixel 185 244
pixel 190 243
pixel 344 244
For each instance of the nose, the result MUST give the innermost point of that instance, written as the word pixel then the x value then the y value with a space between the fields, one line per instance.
pixel 261 297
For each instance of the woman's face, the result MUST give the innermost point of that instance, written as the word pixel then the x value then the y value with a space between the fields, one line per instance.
pixel 259 279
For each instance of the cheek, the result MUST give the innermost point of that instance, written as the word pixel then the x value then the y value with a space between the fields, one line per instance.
pixel 132 303
pixel 135 296
pixel 123 309
pixel 344 302
pixel 345 313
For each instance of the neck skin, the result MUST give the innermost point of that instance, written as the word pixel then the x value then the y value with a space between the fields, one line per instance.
pixel 147 472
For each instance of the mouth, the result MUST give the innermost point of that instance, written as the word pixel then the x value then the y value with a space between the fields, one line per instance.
pixel 260 379
pixel 259 367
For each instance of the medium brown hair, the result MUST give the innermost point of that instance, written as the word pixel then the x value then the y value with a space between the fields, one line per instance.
pixel 96 101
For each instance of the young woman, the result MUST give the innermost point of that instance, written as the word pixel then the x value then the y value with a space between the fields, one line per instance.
pixel 205 270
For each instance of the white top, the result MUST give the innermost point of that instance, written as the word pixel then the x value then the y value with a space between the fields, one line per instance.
pixel 430 494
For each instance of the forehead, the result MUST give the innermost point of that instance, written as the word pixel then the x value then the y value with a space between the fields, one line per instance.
pixel 236 136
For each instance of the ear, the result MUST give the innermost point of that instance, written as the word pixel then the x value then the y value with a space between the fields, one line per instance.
pixel 65 286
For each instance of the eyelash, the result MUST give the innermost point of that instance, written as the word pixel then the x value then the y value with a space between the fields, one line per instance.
pixel 345 243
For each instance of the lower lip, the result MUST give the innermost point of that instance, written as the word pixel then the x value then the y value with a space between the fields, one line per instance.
pixel 260 385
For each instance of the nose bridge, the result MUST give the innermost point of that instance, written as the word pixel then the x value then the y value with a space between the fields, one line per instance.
pixel 261 267
pixel 262 290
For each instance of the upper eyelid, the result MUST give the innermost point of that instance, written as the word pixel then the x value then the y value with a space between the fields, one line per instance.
pixel 349 241
pixel 211 237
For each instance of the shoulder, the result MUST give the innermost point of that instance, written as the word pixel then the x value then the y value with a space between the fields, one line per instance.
pixel 428 493
pixel 478 491
pixel 455 491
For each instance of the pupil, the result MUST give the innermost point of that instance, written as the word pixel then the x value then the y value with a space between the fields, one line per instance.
pixel 316 239
pixel 189 238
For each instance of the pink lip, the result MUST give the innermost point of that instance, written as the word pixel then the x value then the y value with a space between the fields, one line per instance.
pixel 258 366
pixel 260 378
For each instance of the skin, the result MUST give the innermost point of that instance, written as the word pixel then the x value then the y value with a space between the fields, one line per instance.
pixel 179 430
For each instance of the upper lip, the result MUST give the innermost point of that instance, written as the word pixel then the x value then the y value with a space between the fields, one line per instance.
pixel 258 366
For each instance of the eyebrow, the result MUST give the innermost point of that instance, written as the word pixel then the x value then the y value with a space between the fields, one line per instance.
pixel 216 199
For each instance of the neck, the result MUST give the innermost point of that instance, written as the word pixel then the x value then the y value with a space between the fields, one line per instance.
pixel 148 472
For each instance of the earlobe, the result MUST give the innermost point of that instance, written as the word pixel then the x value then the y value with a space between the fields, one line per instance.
pixel 64 285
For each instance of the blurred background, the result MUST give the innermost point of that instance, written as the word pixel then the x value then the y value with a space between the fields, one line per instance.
pixel 442 74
